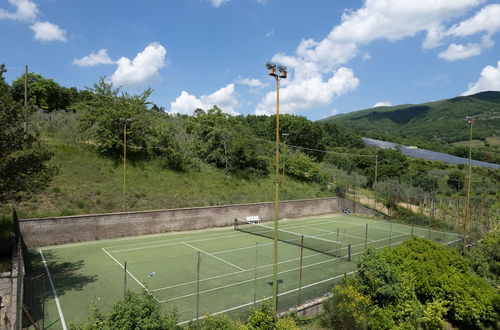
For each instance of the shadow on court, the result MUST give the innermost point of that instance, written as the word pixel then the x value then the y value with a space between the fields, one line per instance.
pixel 38 295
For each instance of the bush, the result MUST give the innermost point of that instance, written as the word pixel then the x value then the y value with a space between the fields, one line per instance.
pixel 134 311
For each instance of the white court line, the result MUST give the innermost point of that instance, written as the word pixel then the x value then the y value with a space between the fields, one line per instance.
pixel 58 305
pixel 128 272
pixel 282 262
pixel 267 298
pixel 288 292
pixel 331 232
pixel 189 241
pixel 207 253
pixel 187 237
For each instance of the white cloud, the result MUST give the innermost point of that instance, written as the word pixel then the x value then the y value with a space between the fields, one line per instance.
pixel 224 98
pixel 459 52
pixel 46 31
pixel 487 19
pixel 101 57
pixel 314 61
pixel 270 33
pixel 218 3
pixel 334 112
pixel 251 82
pixel 305 93
pixel 144 68
pixel 489 80
pixel 366 56
pixel 26 10
pixel 382 104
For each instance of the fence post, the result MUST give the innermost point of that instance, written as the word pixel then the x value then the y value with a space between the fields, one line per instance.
pixel 390 232
pixel 198 291
pixel 366 236
pixel 300 267
pixel 124 279
pixel 255 274
pixel 349 252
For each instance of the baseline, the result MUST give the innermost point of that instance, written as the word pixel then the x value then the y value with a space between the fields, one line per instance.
pixel 58 304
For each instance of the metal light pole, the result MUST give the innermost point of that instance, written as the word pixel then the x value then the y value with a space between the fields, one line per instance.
pixel 271 67
pixel 125 121
pixel 284 135
pixel 470 121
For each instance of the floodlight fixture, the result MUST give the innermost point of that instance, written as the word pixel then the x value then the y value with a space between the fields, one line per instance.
pixel 282 70
pixel 470 119
pixel 271 67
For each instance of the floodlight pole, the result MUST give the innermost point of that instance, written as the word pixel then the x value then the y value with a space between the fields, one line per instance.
pixel 125 121
pixel 272 72
pixel 470 121
pixel 285 135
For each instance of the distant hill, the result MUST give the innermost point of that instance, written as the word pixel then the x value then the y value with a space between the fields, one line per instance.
pixel 441 122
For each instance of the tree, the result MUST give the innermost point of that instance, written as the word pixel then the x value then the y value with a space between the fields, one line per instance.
pixel 134 311
pixel 224 140
pixel 24 159
pixel 456 180
pixel 102 118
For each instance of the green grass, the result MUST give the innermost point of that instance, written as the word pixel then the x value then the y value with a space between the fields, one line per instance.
pixel 88 183
pixel 166 265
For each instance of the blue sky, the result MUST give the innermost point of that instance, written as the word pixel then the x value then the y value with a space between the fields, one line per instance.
pixel 341 55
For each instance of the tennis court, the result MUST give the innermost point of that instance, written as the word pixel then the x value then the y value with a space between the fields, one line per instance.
pixel 208 271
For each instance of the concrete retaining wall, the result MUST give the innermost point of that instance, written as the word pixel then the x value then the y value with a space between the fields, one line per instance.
pixel 61 230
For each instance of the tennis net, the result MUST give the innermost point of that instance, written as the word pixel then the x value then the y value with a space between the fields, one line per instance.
pixel 314 243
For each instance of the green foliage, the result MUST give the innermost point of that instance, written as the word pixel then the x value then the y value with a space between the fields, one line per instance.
pixel 348 308
pixel 262 318
pixel 456 180
pixel 218 322
pixel 44 93
pixel 433 125
pixel 419 284
pixel 103 119
pixel 5 230
pixel 134 311
pixel 24 159
pixel 485 257
pixel 223 140
pixel 302 166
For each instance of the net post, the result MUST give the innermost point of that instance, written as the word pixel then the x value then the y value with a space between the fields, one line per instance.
pixel 124 279
pixel 366 236
pixel 338 234
pixel 349 257
pixel 255 274
pixel 300 267
pixel 198 290
pixel 390 233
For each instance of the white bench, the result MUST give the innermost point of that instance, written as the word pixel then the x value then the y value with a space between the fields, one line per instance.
pixel 253 219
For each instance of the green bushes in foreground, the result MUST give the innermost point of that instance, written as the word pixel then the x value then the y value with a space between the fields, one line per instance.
pixel 417 285
pixel 142 311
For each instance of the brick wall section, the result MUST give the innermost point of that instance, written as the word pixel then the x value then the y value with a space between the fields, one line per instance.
pixel 61 230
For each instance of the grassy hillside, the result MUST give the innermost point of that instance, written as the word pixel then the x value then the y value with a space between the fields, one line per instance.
pixel 89 183
pixel 441 121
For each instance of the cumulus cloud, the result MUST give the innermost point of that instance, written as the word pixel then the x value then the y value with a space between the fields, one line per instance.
pixel 489 80
pixel 251 82
pixel 46 31
pixel 382 104
pixel 218 3
pixel 306 93
pixel 314 61
pixel 25 10
pixel 144 68
pixel 101 57
pixel 459 52
pixel 224 98
pixel 487 20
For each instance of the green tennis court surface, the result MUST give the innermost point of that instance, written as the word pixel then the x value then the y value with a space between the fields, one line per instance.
pixel 209 271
